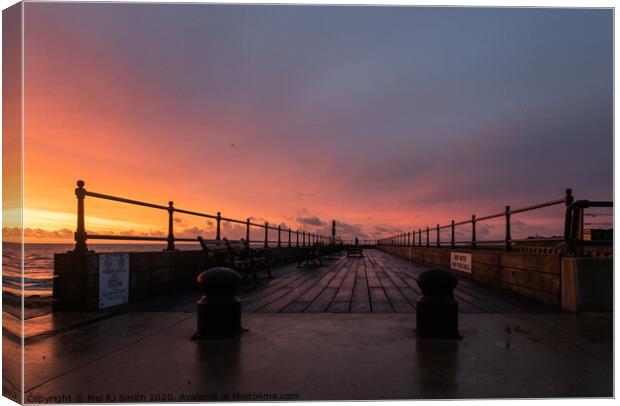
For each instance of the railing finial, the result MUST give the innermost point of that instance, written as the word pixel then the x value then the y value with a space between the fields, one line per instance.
pixel 80 235
pixel 569 196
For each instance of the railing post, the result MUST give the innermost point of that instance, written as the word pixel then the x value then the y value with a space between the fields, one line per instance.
pixel 419 237
pixel 568 198
pixel 279 240
pixel 289 237
pixel 508 237
pixel 80 235
pixel 576 220
pixel 573 217
pixel 333 231
pixel 452 243
pixel 170 237
pixel 247 230
pixel 427 237
pixel 297 232
pixel 303 236
pixel 266 234
pixel 438 238
pixel 217 227
pixel 473 231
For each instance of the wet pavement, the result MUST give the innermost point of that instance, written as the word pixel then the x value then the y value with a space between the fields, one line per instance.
pixel 146 354
pixel 325 356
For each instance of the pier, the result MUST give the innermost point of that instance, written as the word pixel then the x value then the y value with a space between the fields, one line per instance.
pixel 343 329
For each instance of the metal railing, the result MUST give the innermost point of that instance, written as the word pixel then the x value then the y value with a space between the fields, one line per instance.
pixel 572 230
pixel 291 238
pixel 574 224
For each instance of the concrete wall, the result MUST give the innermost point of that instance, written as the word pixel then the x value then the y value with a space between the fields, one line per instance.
pixel 76 276
pixel 536 276
pixel 587 284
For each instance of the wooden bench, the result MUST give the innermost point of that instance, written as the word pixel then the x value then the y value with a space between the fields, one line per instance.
pixel 260 257
pixel 309 254
pixel 330 251
pixel 355 251
pixel 231 254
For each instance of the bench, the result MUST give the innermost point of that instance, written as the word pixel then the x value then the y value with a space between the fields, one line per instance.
pixel 261 257
pixel 312 253
pixel 354 251
pixel 331 251
pixel 231 254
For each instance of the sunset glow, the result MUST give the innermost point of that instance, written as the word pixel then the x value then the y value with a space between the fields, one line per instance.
pixel 301 115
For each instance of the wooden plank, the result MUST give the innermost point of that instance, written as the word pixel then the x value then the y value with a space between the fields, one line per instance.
pixel 403 307
pixel 254 306
pixel 378 295
pixel 345 292
pixel 396 280
pixel 361 270
pixel 384 280
pixel 410 294
pixel 295 307
pixel 283 301
pixel 275 284
pixel 317 288
pixel 339 277
pixel 371 274
pixel 322 302
pixel 339 307
pixel 360 301
pixel 379 301
pixel 394 295
pixel 382 307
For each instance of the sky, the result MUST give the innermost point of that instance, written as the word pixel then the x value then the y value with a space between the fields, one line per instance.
pixel 386 119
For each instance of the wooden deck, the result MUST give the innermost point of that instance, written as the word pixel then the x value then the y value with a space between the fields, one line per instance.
pixel 378 282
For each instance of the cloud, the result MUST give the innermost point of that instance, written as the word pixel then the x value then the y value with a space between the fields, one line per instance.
pixel 14 233
pixel 311 221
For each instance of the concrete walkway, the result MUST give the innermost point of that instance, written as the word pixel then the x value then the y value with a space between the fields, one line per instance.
pixel 324 356
pixel 146 355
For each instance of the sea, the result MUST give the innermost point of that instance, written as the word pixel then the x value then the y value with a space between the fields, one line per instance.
pixel 37 282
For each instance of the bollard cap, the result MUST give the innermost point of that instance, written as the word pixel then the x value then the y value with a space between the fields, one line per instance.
pixel 219 281
pixel 437 282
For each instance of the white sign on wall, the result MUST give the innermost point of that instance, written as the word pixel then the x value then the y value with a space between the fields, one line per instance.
pixel 113 279
pixel 460 261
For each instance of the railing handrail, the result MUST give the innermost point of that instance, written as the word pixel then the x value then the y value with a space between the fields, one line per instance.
pixel 409 238
pixel 81 236
pixel 574 218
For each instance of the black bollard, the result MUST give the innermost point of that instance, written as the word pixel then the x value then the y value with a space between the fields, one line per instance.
pixel 437 311
pixel 219 308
